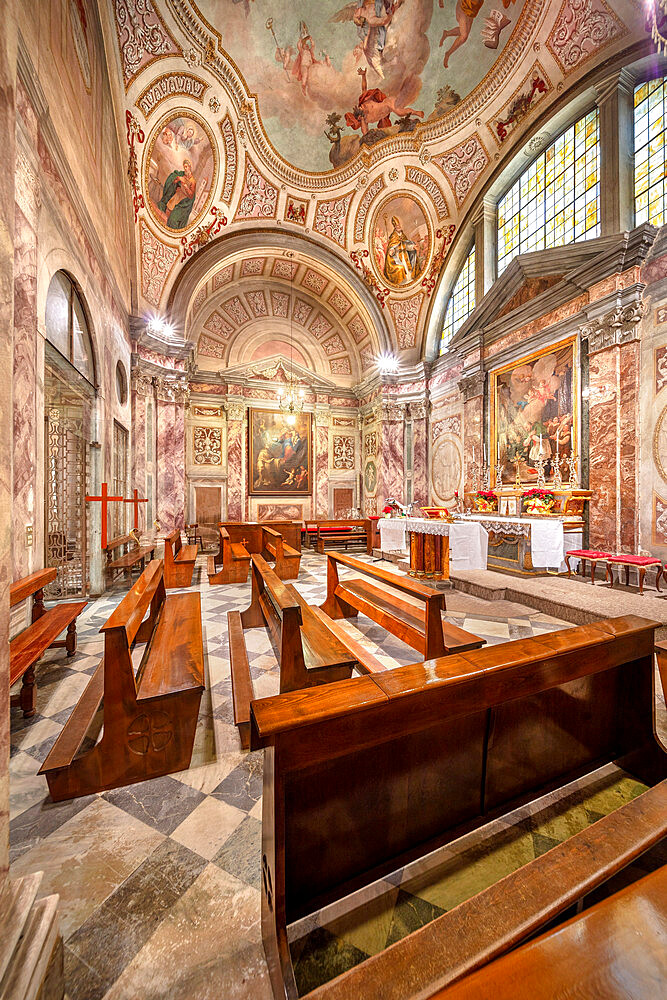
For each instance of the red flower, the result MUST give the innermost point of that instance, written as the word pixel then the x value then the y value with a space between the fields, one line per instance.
pixel 387 510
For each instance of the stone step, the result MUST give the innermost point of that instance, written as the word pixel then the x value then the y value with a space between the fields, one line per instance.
pixel 30 943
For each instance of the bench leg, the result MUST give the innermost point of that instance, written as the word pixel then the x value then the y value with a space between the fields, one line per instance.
pixel 642 574
pixel 70 640
pixel 26 698
pixel 658 579
pixel 627 577
pixel 569 568
pixel 610 575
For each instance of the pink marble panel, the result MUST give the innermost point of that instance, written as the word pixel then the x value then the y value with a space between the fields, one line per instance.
pixel 391 475
pixel 472 423
pixel 419 462
pixel 628 445
pixel 138 403
pixel 321 494
pixel 603 383
pixel 24 401
pixel 170 464
pixel 236 506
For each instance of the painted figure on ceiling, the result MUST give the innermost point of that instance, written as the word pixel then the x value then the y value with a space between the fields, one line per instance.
pixel 401 263
pixel 178 196
pixel 374 107
pixel 305 57
pixel 465 13
pixel 372 18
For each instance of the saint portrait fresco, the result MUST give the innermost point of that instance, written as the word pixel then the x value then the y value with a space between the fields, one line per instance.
pixel 181 171
pixel 333 78
pixel 279 454
pixel 535 412
pixel 401 238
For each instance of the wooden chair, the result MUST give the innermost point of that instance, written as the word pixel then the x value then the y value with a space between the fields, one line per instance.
pixel 307 651
pixel 179 561
pixel 46 624
pixel 418 622
pixel 149 720
pixel 132 554
pixel 193 535
pixel 287 560
pixel 397 764
pixel 231 564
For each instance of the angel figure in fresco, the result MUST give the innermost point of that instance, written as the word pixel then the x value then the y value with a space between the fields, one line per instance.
pixel 178 196
pixel 401 262
pixel 185 137
pixel 246 5
pixel 372 18
pixel 465 13
pixel 375 107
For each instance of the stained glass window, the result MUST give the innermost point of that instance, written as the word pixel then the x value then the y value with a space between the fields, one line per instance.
pixel 557 199
pixel 461 301
pixel 650 188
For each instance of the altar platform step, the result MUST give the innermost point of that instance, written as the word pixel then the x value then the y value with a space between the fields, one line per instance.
pixel 571 600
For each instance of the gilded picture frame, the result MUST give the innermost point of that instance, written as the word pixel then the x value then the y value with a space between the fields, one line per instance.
pixel 280 454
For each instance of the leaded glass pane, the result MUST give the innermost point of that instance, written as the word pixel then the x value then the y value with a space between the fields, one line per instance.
pixel 650 160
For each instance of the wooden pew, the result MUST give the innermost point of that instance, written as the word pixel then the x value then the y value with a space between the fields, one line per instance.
pixel 287 559
pixel 46 624
pixel 613 951
pixel 149 720
pixel 420 625
pixel 325 532
pixel 132 554
pixel 307 652
pixel 249 533
pixel 397 764
pixel 179 561
pixel 231 563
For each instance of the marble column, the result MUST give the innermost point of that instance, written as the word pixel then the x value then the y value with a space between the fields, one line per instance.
pixel 170 452
pixel 391 460
pixel 420 449
pixel 8 38
pixel 472 389
pixel 24 395
pixel 236 491
pixel 321 491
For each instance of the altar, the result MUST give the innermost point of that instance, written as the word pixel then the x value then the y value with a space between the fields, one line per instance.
pixel 524 545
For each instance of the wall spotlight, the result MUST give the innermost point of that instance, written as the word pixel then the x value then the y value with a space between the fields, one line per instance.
pixel 387 363
pixel 160 327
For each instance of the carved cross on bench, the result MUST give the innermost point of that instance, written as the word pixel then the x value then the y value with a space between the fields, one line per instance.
pixel 104 500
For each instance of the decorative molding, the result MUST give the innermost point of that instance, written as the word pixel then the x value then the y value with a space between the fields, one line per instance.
pixel 522 102
pixel 141 382
pixel 424 180
pixel 157 262
pixel 660 362
pixel 170 85
pixel 472 385
pixel 296 211
pixel 659 520
pixel 419 410
pixel 207 445
pixel 358 258
pixel 172 390
pixel 259 198
pixel 430 280
pixel 134 131
pixel 235 410
pixel 142 37
pixel 405 313
pixel 582 28
pixel 620 326
pixel 203 234
pixel 331 217
pixel 343 451
pixel 463 166
pixel 231 159
pixel 364 205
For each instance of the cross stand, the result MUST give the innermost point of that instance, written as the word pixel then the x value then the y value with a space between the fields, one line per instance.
pixel 105 499
pixel 136 500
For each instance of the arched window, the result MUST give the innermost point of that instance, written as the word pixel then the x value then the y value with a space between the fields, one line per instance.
pixel 67 326
pixel 650 189
pixel 461 301
pixel 557 199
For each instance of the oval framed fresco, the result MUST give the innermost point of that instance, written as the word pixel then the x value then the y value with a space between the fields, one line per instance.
pixel 401 240
pixel 180 171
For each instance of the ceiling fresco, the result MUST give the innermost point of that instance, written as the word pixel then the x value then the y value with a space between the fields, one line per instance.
pixel 332 78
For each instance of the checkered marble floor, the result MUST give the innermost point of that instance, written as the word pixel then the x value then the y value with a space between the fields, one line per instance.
pixel 159 881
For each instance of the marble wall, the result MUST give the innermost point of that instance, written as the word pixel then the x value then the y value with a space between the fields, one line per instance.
pixel 420 454
pixel 170 463
pixel 236 494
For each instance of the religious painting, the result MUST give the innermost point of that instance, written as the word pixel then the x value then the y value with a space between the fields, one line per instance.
pixel 401 237
pixel 334 78
pixel 370 477
pixel 535 412
pixel 279 454
pixel 181 171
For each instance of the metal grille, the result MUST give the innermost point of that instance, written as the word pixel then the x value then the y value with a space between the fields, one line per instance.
pixel 118 511
pixel 65 507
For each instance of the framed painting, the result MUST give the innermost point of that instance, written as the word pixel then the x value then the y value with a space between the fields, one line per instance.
pixel 181 171
pixel 279 454
pixel 535 411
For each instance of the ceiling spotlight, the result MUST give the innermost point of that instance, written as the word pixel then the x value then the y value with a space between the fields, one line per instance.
pixel 387 363
pixel 160 327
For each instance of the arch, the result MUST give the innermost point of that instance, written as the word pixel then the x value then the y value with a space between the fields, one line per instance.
pixel 67 324
pixel 59 259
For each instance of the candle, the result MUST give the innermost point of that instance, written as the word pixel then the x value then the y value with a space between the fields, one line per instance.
pixel 499 453
pixel 557 439
pixel 473 454
pixel 540 451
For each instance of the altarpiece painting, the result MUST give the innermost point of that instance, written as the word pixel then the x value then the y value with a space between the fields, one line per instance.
pixel 279 454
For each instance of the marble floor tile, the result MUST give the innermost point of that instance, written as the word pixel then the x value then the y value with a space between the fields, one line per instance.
pixel 241 853
pixel 162 803
pixel 40 821
pixel 26 786
pixel 243 786
pixel 88 857
pixel 31 736
pixel 208 826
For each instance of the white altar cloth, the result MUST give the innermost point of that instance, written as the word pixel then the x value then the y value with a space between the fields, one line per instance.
pixel 392 534
pixel 548 542
pixel 468 542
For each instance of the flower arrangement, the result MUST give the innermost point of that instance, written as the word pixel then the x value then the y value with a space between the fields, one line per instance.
pixel 485 501
pixel 538 501
pixel 387 511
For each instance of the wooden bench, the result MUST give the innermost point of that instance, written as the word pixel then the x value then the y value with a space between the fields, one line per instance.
pixel 149 719
pixel 366 775
pixel 307 651
pixel 640 563
pixel 325 532
pixel 179 561
pixel 231 563
pixel 249 533
pixel 613 951
pixel 46 624
pixel 287 559
pixel 420 625
pixel 594 556
pixel 132 554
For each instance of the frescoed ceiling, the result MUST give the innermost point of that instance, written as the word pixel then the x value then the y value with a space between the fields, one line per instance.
pixel 334 132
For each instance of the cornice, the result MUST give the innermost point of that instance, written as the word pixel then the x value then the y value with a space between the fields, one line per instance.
pixel 174 347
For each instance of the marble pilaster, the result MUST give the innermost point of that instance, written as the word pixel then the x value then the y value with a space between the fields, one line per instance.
pixel 24 395
pixel 627 444
pixel 170 464
pixel 391 442
pixel 321 491
pixel 602 459
pixel 420 453
pixel 472 389
pixel 236 423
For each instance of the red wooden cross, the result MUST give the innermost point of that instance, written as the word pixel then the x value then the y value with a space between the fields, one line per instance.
pixel 136 500
pixel 105 499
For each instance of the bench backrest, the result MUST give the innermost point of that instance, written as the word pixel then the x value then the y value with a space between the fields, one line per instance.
pixel 174 539
pixel 117 543
pixel 126 625
pixel 272 542
pixel 249 533
pixel 224 556
pixel 396 764
pixel 29 585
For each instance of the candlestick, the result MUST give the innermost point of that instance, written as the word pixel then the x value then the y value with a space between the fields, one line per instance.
pixel 558 479
pixel 572 467
pixel 486 480
pixel 517 478
pixel 541 480
pixel 499 475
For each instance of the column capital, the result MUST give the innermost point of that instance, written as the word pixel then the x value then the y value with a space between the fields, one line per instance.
pixel 235 409
pixel 472 385
pixel 619 326
pixel 622 81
